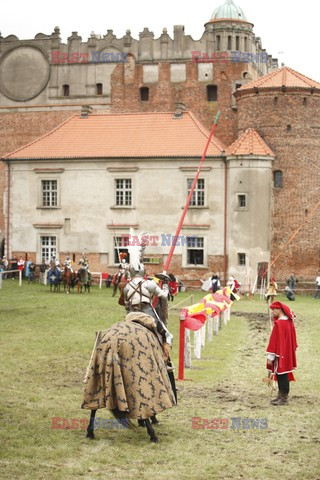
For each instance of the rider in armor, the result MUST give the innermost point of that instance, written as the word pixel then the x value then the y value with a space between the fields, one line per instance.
pixel 138 295
pixel 54 262
pixel 68 263
pixel 84 262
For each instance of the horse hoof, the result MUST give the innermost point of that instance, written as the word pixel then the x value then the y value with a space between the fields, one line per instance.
pixel 90 434
pixel 154 440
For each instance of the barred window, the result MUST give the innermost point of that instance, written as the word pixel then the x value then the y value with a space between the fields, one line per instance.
pixel 195 250
pixel 48 248
pixel 49 193
pixel 124 192
pixel 197 199
pixel 242 201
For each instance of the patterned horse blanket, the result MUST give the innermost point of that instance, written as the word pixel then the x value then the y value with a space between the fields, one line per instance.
pixel 128 371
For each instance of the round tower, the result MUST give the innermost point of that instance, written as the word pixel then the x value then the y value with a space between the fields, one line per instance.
pixel 284 107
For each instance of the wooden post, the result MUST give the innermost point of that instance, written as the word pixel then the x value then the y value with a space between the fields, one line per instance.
pixel 187 349
pixel 197 344
pixel 216 325
pixel 181 347
pixel 210 327
pixel 203 336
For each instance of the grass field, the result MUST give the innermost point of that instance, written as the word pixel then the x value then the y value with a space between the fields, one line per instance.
pixel 46 342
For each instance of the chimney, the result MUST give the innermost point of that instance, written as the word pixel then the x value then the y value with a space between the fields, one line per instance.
pixel 85 111
pixel 179 109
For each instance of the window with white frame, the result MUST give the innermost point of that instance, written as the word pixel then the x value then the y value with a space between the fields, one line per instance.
pixel 120 244
pixel 49 189
pixel 123 192
pixel 48 248
pixel 195 250
pixel 198 197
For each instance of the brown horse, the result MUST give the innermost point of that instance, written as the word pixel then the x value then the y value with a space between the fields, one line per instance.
pixel 68 278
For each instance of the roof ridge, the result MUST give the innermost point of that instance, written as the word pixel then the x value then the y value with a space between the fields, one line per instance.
pixel 301 76
pixel 127 113
pixel 38 138
pixel 205 131
pixel 249 135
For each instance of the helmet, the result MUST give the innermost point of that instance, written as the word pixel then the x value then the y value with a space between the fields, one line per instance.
pixel 137 273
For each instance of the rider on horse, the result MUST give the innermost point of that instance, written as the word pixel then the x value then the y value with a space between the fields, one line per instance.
pixel 68 264
pixel 54 263
pixel 84 262
pixel 138 294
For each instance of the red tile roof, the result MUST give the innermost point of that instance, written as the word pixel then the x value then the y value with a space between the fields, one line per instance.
pixel 124 135
pixel 250 143
pixel 284 76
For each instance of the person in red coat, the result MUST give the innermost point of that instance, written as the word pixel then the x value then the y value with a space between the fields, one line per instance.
pixel 281 350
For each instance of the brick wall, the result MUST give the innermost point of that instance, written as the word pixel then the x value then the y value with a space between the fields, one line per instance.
pixel 128 78
pixel 297 156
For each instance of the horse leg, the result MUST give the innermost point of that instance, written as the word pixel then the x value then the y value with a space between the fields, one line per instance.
pixel 154 420
pixel 151 432
pixel 141 423
pixel 90 429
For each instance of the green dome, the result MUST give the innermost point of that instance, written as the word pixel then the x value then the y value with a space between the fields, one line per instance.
pixel 229 10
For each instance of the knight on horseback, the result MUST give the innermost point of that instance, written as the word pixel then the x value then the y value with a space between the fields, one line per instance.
pixel 128 371
pixel 138 294
pixel 68 264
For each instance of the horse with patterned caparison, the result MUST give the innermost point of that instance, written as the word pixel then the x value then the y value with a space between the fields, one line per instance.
pixel 128 374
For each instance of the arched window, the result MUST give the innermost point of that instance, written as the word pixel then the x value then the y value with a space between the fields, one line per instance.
pixel 277 179
pixel 144 94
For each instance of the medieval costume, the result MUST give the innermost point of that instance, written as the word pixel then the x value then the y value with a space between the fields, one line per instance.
pixel 234 287
pixel 215 283
pixel 68 264
pixel 289 293
pixel 272 289
pixel 128 372
pixel 281 350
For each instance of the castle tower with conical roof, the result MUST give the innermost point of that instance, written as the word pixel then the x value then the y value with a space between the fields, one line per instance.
pixel 284 107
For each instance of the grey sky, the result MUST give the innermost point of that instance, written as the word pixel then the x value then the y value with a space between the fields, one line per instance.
pixel 288 26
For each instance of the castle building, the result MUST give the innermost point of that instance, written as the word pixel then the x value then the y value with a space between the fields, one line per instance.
pixel 248 199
